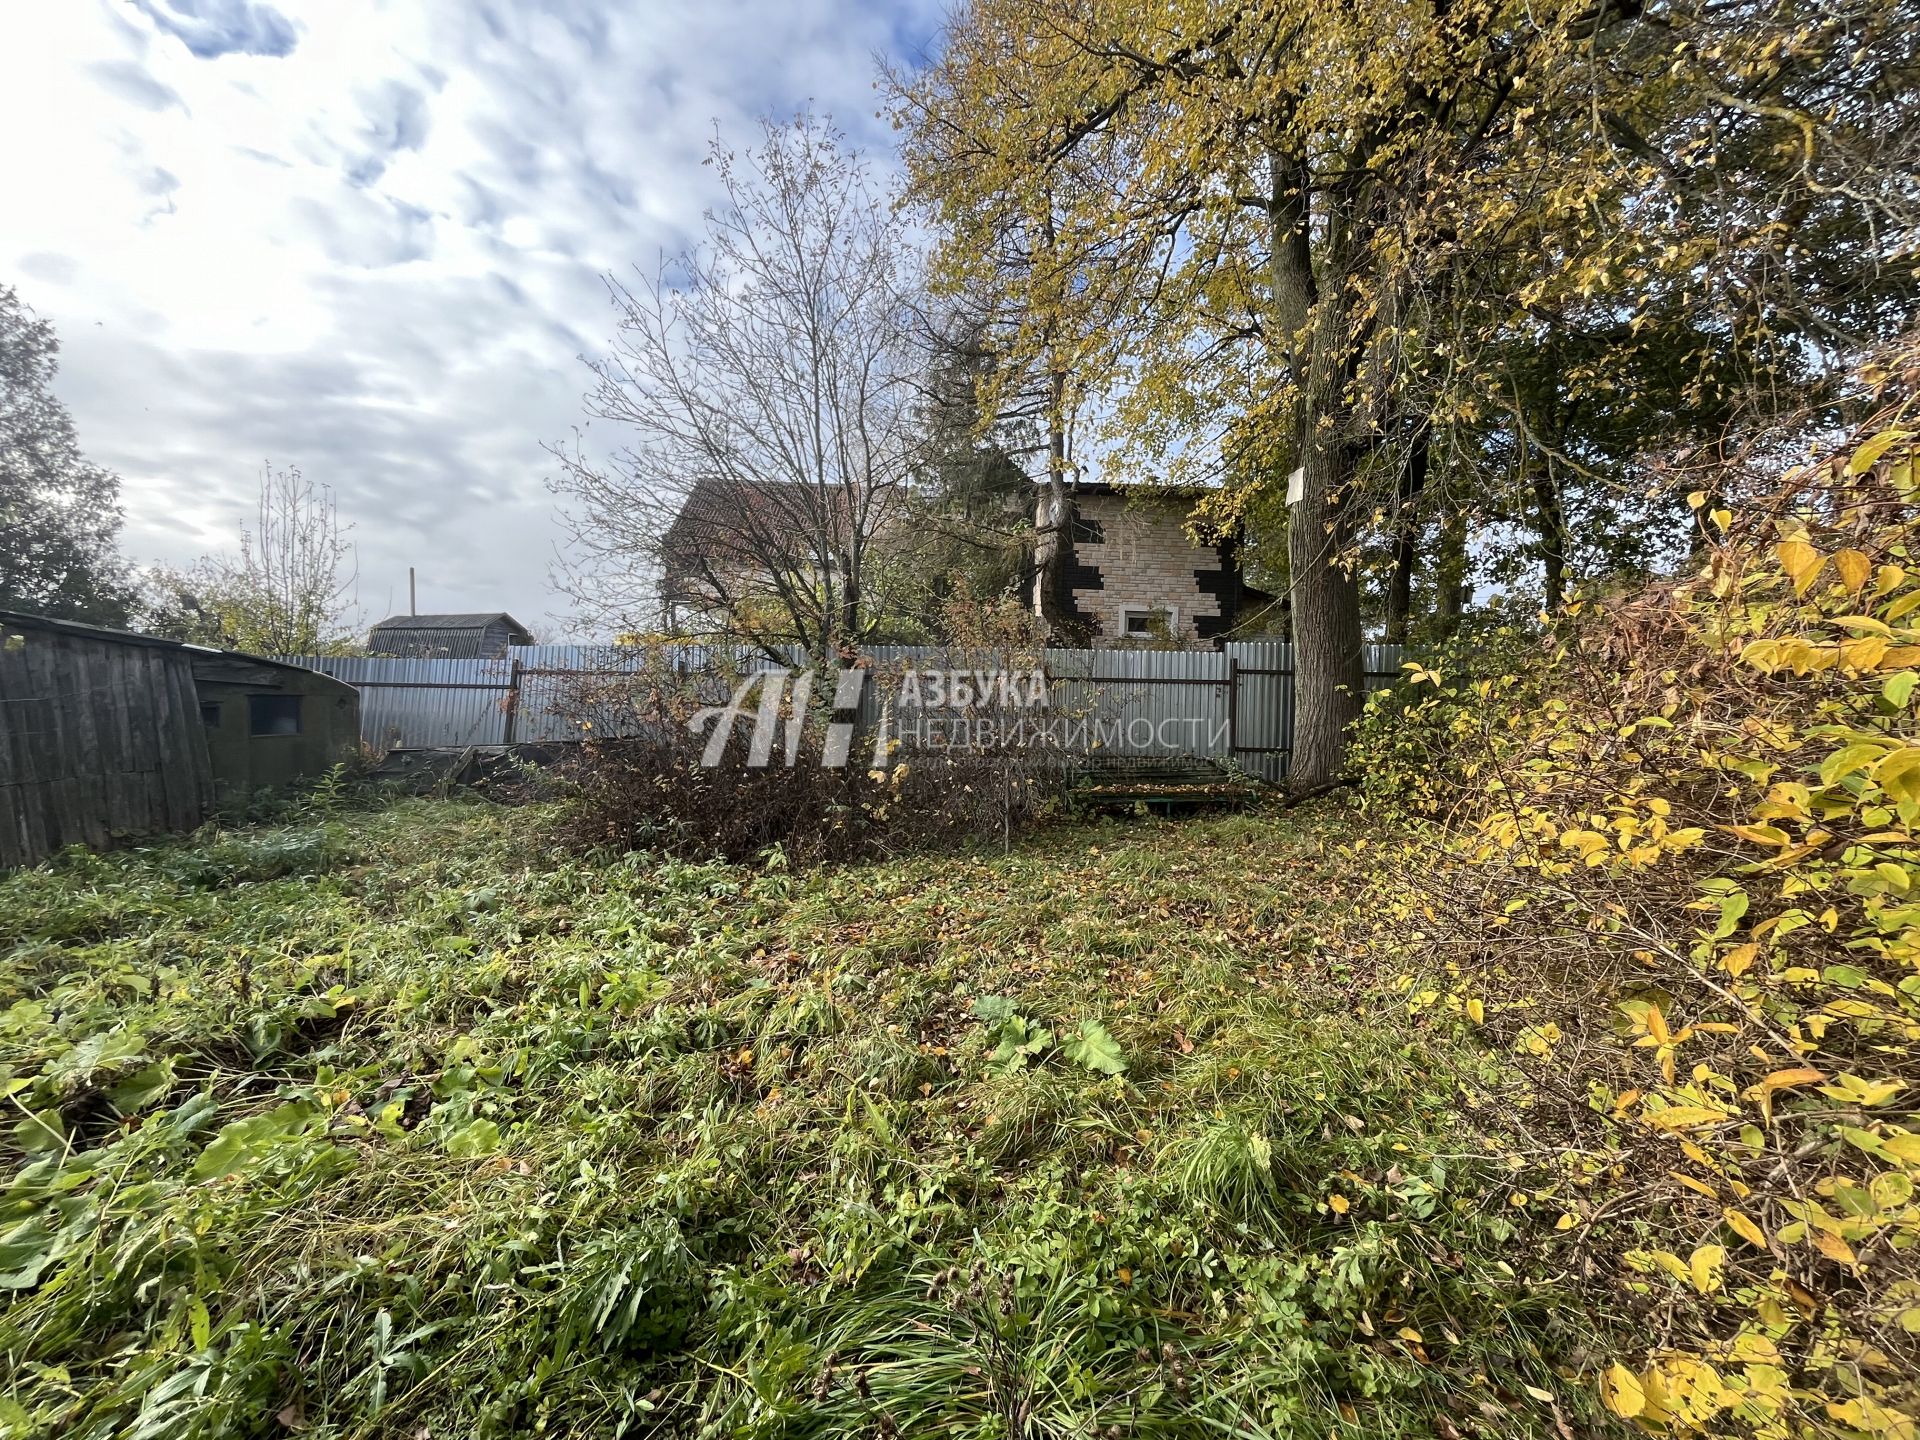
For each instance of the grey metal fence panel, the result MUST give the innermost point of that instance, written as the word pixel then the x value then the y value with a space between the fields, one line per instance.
pixel 425 704
pixel 558 686
pixel 1263 705
pixel 1235 705
pixel 1265 700
pixel 1144 702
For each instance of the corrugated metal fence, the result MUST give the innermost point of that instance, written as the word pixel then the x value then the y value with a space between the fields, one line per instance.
pixel 1234 705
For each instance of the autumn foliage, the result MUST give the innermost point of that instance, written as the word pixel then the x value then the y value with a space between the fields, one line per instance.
pixel 1683 889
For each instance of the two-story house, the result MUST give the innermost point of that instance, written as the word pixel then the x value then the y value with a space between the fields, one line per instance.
pixel 1133 576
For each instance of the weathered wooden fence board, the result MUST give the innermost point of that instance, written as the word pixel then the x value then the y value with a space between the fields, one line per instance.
pixel 100 738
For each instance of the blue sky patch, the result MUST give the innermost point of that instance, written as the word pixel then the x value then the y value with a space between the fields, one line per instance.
pixel 212 28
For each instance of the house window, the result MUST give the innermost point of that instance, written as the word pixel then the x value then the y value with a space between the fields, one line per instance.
pixel 1145 623
pixel 273 714
pixel 210 715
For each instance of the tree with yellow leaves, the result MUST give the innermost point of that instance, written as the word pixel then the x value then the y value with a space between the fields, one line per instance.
pixel 1292 245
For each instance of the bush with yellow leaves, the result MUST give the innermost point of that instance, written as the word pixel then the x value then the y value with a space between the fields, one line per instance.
pixel 1684 891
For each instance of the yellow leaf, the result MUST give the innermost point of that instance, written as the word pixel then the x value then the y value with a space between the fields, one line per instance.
pixel 1745 1228
pixel 1902 1147
pixel 1899 773
pixel 1337 1204
pixel 1849 758
pixel 1698 1186
pixel 1833 1247
pixel 1703 1267
pixel 1621 1391
pixel 1657 1025
pixel 1854 567
pixel 1762 1093
pixel 1866 654
pixel 1750 1347
pixel 1870 451
pixel 1476 1012
pixel 1801 562
pixel 1739 960
pixel 1682 1117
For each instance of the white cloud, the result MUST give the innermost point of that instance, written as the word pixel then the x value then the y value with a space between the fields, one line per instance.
pixel 366 238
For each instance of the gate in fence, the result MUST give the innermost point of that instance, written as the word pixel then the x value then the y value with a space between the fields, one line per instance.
pixel 1234 705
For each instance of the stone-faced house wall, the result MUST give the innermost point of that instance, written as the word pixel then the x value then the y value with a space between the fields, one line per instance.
pixel 1133 566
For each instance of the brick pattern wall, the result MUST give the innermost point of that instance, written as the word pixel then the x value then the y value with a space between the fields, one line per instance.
pixel 1145 561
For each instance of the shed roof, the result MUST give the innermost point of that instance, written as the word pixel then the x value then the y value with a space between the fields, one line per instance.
pixel 24 620
pixel 475 620
pixel 27 621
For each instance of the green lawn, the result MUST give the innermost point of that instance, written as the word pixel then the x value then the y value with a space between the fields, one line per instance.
pixel 398 1122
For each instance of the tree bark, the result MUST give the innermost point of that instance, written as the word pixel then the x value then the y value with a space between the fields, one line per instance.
pixel 1406 544
pixel 1328 675
pixel 1053 522
pixel 1550 523
pixel 1450 573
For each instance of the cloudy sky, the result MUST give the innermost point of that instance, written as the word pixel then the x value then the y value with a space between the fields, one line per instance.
pixel 365 237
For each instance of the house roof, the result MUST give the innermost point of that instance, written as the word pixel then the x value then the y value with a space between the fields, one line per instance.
pixel 474 620
pixel 731 515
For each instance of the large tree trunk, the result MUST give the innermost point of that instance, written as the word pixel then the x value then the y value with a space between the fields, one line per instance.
pixel 1328 675
pixel 1053 524
pixel 1406 542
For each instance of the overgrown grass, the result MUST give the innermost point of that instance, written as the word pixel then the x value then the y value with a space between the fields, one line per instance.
pixel 395 1123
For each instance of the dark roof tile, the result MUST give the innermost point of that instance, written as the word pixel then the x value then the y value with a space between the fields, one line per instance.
pixel 473 621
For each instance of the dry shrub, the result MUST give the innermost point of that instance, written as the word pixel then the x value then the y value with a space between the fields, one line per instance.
pixel 1684 890
pixel 641 780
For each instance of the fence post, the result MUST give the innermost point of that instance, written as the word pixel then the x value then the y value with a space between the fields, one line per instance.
pixel 513 699
pixel 1233 706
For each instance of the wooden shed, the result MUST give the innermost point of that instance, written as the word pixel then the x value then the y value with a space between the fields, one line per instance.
pixel 447 637
pixel 107 736
pixel 268 724
pixel 100 738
